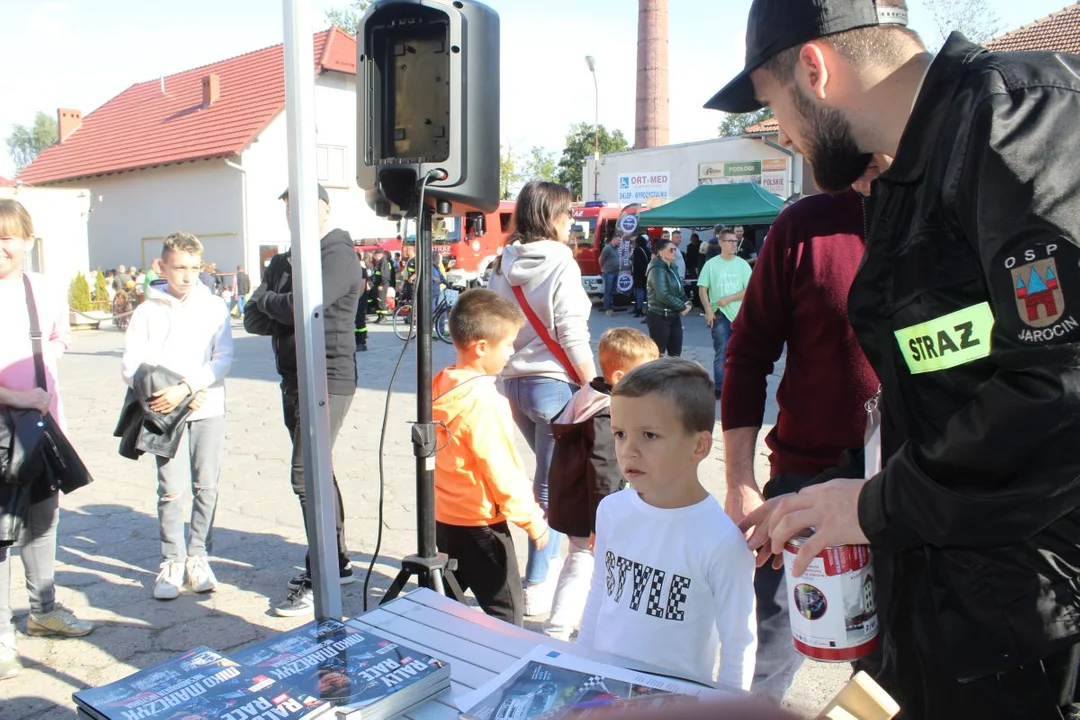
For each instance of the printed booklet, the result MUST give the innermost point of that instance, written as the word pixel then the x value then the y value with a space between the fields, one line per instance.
pixel 550 684
pixel 200 684
pixel 363 675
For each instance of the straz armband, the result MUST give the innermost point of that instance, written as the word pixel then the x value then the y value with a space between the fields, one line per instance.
pixel 948 341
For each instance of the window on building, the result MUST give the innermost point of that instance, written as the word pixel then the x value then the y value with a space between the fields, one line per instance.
pixel 331 165
pixel 34 261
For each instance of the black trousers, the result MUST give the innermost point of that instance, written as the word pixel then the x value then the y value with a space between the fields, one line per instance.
pixel 361 323
pixel 666 332
pixel 339 408
pixel 487 563
pixel 926 687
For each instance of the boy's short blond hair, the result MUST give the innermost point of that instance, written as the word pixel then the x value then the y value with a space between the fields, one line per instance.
pixel 481 314
pixel 624 348
pixel 181 242
pixel 685 383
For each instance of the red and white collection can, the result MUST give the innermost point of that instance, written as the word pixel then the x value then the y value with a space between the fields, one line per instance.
pixel 831 605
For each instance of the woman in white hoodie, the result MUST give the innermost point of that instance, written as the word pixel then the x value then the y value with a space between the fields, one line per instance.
pixel 552 356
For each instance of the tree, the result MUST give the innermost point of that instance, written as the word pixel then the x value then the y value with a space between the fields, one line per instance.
pixel 79 297
pixel 579 145
pixel 734 125
pixel 974 18
pixel 101 289
pixel 348 19
pixel 541 165
pixel 25 143
pixel 510 175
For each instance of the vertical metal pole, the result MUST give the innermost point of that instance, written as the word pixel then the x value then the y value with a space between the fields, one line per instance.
pixel 424 430
pixel 596 136
pixel 307 306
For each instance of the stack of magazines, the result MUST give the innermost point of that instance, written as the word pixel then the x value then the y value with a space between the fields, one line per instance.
pixel 317 669
pixel 199 684
pixel 363 675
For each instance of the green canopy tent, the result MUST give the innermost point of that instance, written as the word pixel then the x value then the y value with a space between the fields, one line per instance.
pixel 707 205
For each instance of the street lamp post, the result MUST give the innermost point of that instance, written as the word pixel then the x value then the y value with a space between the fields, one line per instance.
pixel 591 62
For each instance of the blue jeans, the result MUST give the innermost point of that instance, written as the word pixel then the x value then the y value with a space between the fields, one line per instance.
pixel 640 294
pixel 534 402
pixel 610 281
pixel 240 301
pixel 721 333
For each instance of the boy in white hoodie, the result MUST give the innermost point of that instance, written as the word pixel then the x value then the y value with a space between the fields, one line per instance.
pixel 183 327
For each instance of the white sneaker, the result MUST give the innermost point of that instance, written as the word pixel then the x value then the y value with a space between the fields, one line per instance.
pixel 169 580
pixel 199 578
pixel 60 621
pixel 10 666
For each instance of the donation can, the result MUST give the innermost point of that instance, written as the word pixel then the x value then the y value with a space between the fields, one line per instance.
pixel 831 605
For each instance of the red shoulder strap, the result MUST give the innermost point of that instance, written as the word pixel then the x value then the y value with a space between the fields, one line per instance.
pixel 542 332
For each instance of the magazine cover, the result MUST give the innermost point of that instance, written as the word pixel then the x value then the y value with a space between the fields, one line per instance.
pixel 550 684
pixel 199 684
pixel 339 663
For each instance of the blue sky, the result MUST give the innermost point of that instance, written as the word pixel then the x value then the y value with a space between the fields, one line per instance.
pixel 80 53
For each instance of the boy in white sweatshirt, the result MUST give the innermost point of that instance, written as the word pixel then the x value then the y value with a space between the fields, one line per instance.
pixel 674 578
pixel 185 328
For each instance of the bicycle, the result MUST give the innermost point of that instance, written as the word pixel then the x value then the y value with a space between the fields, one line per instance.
pixel 404 319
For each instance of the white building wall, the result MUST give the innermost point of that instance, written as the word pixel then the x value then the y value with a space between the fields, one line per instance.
pixel 60 225
pixel 131 213
pixel 335 110
pixel 681 162
pixel 266 163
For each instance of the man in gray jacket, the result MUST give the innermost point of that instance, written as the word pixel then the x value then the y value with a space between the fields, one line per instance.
pixel 609 269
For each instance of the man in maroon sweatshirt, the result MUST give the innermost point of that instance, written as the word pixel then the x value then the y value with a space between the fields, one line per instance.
pixel 797 297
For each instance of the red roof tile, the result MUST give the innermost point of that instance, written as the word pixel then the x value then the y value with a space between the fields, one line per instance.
pixel 769 125
pixel 5 182
pixel 143 127
pixel 1057 32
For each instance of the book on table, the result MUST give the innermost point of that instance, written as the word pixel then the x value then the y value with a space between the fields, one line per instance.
pixel 199 684
pixel 551 684
pixel 362 674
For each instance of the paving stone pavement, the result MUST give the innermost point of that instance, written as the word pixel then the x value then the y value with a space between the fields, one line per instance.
pixel 108 548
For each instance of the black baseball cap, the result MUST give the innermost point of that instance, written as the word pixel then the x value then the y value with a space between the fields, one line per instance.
pixel 323 195
pixel 776 25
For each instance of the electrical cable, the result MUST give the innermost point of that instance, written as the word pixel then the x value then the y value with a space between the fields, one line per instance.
pixel 390 389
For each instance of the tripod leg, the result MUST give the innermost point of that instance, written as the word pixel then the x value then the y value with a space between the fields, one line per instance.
pixel 395 587
pixel 456 593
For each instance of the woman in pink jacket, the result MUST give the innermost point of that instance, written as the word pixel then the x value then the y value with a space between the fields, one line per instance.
pixel 19 389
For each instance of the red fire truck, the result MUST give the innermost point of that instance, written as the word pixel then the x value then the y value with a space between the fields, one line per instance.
pixel 594 223
pixel 469 245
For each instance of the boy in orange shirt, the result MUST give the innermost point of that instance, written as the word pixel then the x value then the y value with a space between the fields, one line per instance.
pixel 480 481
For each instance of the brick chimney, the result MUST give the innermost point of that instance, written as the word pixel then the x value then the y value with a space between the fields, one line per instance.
pixel 211 89
pixel 651 126
pixel 67 122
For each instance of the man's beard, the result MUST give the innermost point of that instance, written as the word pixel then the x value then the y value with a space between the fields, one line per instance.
pixel 831 147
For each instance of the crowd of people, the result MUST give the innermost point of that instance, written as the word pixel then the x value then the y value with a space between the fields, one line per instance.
pixel 927 406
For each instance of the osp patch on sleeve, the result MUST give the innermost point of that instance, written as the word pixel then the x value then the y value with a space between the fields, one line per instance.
pixel 1043 295
pixel 945 342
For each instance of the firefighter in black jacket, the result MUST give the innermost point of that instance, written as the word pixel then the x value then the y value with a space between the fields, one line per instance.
pixel 270 312
pixel 382 278
pixel 968 307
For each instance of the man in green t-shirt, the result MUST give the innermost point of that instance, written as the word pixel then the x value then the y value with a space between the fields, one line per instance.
pixel 152 274
pixel 721 285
